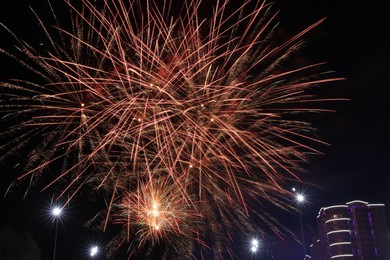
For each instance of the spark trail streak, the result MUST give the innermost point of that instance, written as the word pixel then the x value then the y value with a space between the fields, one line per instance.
pixel 185 122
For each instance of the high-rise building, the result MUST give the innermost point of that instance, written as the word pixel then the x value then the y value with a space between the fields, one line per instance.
pixel 356 230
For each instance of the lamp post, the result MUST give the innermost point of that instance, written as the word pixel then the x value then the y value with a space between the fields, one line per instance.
pixel 301 199
pixel 56 212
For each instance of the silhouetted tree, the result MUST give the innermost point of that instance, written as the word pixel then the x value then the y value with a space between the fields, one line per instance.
pixel 18 245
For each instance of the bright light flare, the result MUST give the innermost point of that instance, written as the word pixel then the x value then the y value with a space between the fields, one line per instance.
pixel 94 251
pixel 56 211
pixel 254 245
pixel 155 212
pixel 300 198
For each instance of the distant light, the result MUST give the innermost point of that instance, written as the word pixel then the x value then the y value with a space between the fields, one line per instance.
pixel 255 242
pixel 300 198
pixel 254 245
pixel 56 211
pixel 293 189
pixel 94 250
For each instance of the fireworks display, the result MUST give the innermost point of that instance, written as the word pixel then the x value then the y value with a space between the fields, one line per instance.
pixel 187 123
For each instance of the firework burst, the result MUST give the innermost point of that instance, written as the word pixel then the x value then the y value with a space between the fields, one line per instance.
pixel 186 122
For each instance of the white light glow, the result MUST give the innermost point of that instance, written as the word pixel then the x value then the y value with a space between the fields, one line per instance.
pixel 357 201
pixel 338 256
pixel 340 243
pixel 94 250
pixel 337 219
pixel 56 211
pixel 338 231
pixel 255 242
pixel 300 198
pixel 254 245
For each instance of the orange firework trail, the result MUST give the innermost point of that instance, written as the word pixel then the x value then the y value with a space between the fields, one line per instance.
pixel 186 123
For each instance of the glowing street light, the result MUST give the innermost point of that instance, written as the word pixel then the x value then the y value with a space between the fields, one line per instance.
pixel 94 251
pixel 254 245
pixel 56 212
pixel 300 198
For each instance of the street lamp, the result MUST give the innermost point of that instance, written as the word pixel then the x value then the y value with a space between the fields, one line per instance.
pixel 301 199
pixel 56 212
pixel 254 245
pixel 94 251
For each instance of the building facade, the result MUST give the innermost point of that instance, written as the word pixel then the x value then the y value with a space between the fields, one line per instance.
pixel 354 231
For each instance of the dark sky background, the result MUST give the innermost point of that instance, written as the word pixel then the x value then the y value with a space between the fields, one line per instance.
pixel 354 41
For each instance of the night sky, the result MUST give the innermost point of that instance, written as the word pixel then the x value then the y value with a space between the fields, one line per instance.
pixel 353 41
